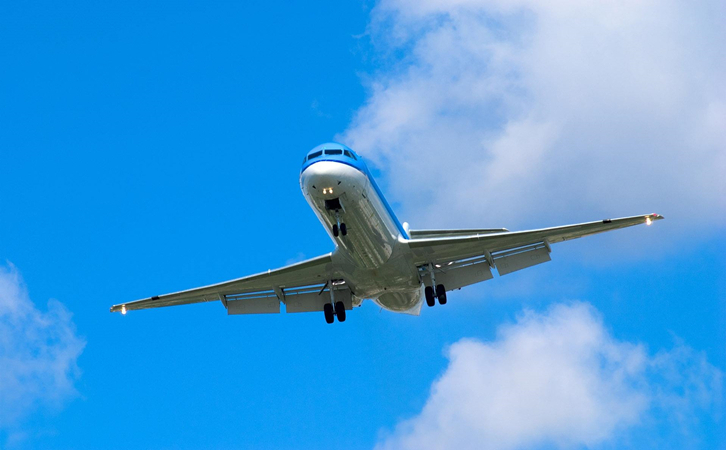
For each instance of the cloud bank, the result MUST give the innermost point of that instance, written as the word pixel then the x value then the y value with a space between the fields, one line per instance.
pixel 555 110
pixel 38 352
pixel 560 380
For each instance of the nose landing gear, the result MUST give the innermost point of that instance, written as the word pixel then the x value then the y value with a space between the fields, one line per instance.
pixel 339 227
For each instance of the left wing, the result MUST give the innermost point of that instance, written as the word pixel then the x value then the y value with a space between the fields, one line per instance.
pixel 260 293
pixel 463 260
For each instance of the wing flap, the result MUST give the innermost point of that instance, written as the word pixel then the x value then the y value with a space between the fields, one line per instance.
pixel 459 274
pixel 508 262
pixel 254 306
pixel 314 301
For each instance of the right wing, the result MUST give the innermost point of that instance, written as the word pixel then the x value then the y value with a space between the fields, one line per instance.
pixel 463 260
pixel 302 284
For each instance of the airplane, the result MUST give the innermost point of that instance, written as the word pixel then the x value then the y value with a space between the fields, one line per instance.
pixel 376 257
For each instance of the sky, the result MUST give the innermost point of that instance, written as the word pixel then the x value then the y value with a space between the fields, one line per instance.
pixel 147 148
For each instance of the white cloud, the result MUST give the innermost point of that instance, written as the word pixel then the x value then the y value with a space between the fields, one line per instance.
pixel 558 379
pixel 504 111
pixel 38 352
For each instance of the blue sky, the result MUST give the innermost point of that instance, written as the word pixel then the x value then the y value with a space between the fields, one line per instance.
pixel 151 148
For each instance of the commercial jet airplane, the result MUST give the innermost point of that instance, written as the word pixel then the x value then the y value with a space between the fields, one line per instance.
pixel 376 257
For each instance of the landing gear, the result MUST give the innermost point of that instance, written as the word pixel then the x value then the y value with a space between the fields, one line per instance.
pixel 430 297
pixel 329 314
pixel 339 228
pixel 340 311
pixel 440 293
pixel 333 309
pixel 332 312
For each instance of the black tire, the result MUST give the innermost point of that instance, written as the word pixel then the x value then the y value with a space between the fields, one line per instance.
pixel 340 311
pixel 329 314
pixel 429 293
pixel 335 230
pixel 343 229
pixel 441 294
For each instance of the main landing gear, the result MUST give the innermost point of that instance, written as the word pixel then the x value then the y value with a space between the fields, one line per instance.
pixel 334 309
pixel 432 295
pixel 332 312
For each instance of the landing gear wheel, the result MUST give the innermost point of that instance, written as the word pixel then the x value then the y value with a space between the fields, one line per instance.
pixel 329 314
pixel 441 294
pixel 343 229
pixel 340 311
pixel 335 230
pixel 429 293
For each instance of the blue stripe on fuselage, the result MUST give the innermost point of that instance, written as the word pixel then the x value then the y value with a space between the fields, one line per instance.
pixel 388 207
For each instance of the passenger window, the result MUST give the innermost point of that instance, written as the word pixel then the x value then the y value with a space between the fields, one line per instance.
pixel 349 154
pixel 314 155
pixel 333 152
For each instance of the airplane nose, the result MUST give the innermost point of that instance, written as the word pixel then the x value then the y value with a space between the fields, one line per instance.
pixel 323 180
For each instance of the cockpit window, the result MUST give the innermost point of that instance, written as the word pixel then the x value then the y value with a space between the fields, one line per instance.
pixel 333 152
pixel 314 155
pixel 350 155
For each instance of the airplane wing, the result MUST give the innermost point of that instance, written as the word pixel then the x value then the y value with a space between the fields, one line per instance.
pixel 463 260
pixel 260 293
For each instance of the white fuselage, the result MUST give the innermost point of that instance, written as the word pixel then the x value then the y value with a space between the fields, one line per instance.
pixel 374 257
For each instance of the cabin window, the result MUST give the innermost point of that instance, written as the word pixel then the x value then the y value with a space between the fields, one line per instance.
pixel 333 152
pixel 349 154
pixel 314 155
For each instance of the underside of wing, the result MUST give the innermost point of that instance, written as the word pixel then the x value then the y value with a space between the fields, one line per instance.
pixel 466 259
pixel 303 286
pixel 428 234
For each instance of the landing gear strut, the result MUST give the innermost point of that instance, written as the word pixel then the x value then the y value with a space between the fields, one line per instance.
pixel 432 295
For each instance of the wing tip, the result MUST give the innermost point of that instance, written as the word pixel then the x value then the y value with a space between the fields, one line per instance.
pixel 119 308
pixel 650 218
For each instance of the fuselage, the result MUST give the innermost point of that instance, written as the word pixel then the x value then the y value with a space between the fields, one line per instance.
pixel 371 251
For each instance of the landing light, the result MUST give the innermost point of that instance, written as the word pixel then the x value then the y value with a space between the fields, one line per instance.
pixel 123 309
pixel 327 190
pixel 648 221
